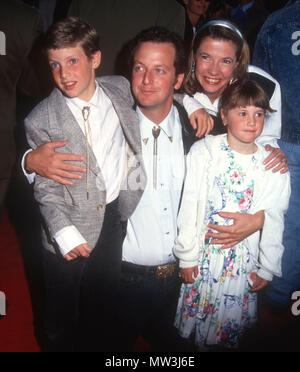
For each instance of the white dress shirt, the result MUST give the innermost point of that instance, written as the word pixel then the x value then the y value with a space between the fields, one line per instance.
pixel 108 141
pixel 152 228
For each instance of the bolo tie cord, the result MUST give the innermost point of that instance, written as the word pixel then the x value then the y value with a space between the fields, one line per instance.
pixel 155 132
pixel 87 131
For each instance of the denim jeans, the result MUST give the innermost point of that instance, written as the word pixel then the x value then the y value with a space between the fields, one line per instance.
pixel 280 290
pixel 148 307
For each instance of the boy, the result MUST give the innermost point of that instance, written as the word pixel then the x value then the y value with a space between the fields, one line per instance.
pixel 82 230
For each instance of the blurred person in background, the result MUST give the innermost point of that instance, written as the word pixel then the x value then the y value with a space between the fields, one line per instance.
pixel 51 11
pixel 21 26
pixel 249 16
pixel 218 9
pixel 119 21
pixel 277 51
pixel 196 15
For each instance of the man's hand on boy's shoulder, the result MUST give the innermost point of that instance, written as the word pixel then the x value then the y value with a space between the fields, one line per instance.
pixel 82 250
pixel 48 163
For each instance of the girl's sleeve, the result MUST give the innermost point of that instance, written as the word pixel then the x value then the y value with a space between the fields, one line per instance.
pixel 271 246
pixel 187 243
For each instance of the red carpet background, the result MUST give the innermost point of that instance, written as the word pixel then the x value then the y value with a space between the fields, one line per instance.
pixel 21 281
pixel 21 273
pixel 17 327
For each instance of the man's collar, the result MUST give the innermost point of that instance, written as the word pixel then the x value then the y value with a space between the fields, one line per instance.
pixel 146 125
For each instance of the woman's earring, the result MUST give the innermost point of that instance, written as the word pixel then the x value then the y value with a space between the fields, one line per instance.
pixel 194 68
pixel 232 80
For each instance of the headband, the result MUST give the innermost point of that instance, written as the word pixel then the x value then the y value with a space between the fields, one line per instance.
pixel 222 23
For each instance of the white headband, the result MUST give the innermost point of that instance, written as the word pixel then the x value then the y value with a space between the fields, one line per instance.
pixel 222 23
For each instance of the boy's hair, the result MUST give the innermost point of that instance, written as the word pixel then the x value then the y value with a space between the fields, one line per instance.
pixel 70 32
pixel 161 35
pixel 243 93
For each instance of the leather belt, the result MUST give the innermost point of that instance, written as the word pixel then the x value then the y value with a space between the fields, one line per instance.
pixel 159 272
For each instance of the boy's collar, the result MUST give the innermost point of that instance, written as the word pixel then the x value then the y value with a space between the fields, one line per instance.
pixel 94 101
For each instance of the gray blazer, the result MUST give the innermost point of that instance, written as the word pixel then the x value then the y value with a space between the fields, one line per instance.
pixel 62 206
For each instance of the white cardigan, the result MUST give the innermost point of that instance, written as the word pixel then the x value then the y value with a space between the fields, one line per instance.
pixel 271 194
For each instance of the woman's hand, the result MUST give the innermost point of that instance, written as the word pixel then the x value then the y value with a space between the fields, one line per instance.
pixel 243 226
pixel 188 275
pixel 202 122
pixel 276 160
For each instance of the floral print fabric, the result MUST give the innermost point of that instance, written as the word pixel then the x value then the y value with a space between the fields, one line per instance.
pixel 219 307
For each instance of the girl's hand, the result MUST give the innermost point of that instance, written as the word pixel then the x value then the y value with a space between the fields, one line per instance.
pixel 258 282
pixel 202 122
pixel 276 160
pixel 188 275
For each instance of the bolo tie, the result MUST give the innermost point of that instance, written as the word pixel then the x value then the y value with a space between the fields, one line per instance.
pixel 156 130
pixel 87 131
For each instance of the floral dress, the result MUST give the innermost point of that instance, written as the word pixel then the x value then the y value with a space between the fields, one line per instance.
pixel 219 307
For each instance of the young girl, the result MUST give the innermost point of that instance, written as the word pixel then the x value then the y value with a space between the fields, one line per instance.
pixel 225 173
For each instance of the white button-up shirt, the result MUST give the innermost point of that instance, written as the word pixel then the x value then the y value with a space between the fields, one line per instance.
pixel 152 229
pixel 108 141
